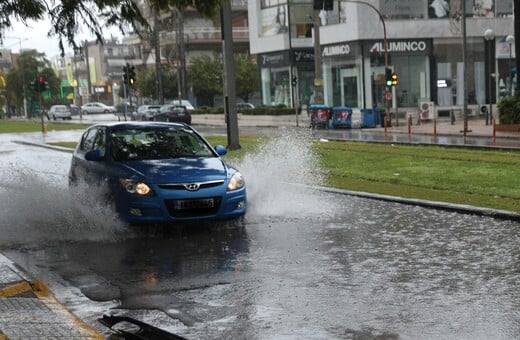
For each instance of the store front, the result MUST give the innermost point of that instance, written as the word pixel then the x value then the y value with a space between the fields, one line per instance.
pixel 354 72
pixel 277 71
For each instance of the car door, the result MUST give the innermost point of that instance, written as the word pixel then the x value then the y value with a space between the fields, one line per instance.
pixel 85 170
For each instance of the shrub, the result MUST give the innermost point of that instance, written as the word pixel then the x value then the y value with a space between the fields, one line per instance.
pixel 509 110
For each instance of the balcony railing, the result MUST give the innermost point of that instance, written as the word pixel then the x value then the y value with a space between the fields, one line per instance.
pixel 193 35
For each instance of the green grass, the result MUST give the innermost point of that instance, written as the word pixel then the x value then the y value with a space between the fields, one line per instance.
pixel 484 178
pixel 477 177
pixel 15 126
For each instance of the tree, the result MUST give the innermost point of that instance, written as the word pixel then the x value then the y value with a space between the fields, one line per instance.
pixel 247 76
pixel 30 65
pixel 70 17
pixel 147 83
pixel 205 74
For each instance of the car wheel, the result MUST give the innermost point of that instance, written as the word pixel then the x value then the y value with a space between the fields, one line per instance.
pixel 53 117
pixel 106 111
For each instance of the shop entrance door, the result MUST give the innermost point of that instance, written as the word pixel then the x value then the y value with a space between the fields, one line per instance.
pixel 349 88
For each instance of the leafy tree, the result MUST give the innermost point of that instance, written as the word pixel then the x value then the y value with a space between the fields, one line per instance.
pixel 30 65
pixel 67 17
pixel 247 76
pixel 146 83
pixel 205 74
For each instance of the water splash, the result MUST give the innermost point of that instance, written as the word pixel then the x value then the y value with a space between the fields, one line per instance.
pixel 40 208
pixel 278 176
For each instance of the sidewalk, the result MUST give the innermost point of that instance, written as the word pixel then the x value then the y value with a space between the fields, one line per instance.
pixel 28 310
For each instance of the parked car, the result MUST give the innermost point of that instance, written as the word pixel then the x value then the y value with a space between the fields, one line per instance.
pixel 173 113
pixel 245 106
pixel 121 107
pixel 146 112
pixel 183 102
pixel 96 107
pixel 59 111
pixel 154 172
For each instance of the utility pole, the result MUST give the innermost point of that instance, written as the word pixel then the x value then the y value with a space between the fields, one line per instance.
pixel 318 73
pixel 182 55
pixel 157 49
pixel 230 109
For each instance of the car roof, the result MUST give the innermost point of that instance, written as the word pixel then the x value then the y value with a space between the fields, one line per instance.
pixel 139 125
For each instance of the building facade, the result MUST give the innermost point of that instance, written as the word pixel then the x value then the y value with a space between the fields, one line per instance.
pixel 435 56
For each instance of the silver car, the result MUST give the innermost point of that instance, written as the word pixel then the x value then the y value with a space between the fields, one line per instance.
pixel 59 111
pixel 146 112
pixel 96 107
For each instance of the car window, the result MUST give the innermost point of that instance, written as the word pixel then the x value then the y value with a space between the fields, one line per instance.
pixel 157 143
pixel 88 140
pixel 100 141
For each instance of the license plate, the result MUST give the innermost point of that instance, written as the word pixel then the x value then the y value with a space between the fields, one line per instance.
pixel 194 204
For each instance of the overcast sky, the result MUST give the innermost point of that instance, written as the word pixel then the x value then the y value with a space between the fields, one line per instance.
pixel 35 37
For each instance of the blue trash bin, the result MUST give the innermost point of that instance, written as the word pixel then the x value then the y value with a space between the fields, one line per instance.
pixel 320 115
pixel 341 117
pixel 368 118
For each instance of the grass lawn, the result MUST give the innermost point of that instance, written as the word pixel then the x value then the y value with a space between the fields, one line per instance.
pixel 35 125
pixel 477 177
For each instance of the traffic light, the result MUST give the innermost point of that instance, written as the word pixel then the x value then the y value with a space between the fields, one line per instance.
pixel 388 77
pixel 131 75
pixel 394 79
pixel 125 74
pixel 294 81
pixel 34 85
pixel 42 84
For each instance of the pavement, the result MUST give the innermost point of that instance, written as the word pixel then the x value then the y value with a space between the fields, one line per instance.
pixel 28 310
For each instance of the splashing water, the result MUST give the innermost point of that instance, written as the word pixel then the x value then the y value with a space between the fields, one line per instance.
pixel 43 209
pixel 278 176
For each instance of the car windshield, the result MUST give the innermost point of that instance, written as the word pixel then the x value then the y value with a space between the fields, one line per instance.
pixel 157 143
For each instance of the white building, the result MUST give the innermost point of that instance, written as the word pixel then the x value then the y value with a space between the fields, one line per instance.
pixel 424 47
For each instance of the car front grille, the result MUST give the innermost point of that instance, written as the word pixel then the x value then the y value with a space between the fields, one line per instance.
pixel 183 186
pixel 193 207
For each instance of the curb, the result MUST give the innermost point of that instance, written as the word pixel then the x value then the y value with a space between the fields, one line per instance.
pixel 460 208
pixel 28 309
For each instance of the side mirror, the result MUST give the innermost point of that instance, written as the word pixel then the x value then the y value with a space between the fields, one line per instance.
pixel 221 150
pixel 94 155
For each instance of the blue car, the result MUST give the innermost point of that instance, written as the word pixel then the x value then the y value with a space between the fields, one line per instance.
pixel 156 172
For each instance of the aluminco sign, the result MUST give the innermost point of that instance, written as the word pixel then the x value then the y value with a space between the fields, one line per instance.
pixel 336 50
pixel 400 46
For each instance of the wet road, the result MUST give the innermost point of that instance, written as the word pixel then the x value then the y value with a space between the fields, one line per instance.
pixel 304 264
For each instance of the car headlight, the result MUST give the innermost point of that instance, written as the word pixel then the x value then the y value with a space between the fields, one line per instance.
pixel 135 187
pixel 236 182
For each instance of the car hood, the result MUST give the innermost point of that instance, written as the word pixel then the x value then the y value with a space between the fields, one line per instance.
pixel 179 170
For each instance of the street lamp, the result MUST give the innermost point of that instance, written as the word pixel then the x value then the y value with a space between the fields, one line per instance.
pixel 510 40
pixel 489 35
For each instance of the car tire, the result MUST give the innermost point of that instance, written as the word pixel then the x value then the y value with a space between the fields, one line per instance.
pixel 53 117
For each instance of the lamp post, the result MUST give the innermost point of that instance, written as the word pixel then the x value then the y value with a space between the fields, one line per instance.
pixel 489 35
pixel 510 40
